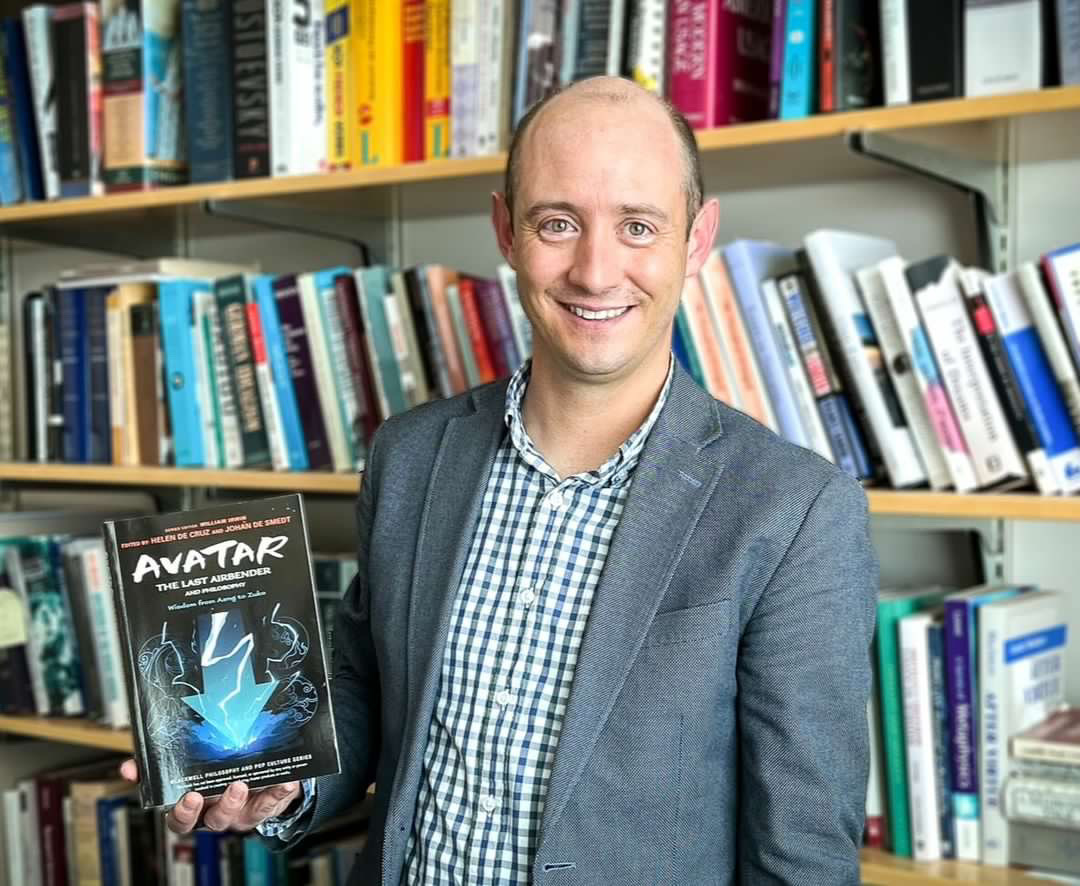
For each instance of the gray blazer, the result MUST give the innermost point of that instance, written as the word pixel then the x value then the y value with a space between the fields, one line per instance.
pixel 716 728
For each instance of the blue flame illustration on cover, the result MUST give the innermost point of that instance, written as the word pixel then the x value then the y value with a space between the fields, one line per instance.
pixel 226 658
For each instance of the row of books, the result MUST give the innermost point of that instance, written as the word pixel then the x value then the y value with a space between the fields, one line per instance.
pixel 959 676
pixel 199 364
pixel 155 93
pixel 64 650
pixel 912 373
pixel 84 826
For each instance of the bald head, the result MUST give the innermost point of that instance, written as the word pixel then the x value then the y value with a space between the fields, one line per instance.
pixel 610 91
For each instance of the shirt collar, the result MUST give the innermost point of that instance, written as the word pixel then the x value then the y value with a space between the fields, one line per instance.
pixel 616 470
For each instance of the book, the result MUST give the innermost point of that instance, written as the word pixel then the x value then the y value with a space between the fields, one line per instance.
pixel 646 44
pixel 798 87
pixel 21 104
pixel 380 77
pixel 1068 40
pixel 856 55
pixel 77 78
pixel 37 28
pixel 1021 679
pixel 206 37
pixel 1003 46
pixel 223 648
pixel 295 57
pixel 935 47
pixel 437 79
pixel 251 89
pixel 1055 739
pixel 895 62
pixel 342 139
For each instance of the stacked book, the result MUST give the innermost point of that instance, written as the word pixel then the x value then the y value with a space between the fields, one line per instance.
pixel 923 373
pixel 199 364
pixel 958 675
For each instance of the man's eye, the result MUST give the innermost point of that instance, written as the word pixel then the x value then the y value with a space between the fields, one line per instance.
pixel 556 226
pixel 637 229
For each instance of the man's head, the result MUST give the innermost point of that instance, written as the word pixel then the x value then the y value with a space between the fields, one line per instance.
pixel 603 221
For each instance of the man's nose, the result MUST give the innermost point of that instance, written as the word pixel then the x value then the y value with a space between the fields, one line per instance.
pixel 596 267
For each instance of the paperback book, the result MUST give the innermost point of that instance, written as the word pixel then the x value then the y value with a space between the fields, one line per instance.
pixel 226 669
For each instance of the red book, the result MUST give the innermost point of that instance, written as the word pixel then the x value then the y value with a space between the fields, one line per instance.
pixel 485 364
pixel 875 832
pixel 413 80
pixel 693 39
pixel 828 65
pixel 741 62
pixel 356 353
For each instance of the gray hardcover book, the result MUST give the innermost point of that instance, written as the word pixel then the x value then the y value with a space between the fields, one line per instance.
pixel 1068 30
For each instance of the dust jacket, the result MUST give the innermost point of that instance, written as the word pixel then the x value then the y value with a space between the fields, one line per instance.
pixel 224 652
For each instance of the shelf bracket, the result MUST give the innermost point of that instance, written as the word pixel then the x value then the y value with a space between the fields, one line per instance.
pixel 986 181
pixel 990 531
pixel 218 209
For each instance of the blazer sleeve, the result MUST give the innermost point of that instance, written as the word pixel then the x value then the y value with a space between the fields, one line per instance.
pixel 355 687
pixel 804 683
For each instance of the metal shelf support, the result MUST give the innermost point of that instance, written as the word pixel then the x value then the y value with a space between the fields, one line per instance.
pixel 991 532
pixel 984 178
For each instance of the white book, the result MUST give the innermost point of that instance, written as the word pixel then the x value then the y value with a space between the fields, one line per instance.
pixel 1021 648
pixel 337 351
pixel 1038 302
pixel 408 328
pixel 495 62
pixel 411 382
pixel 13 844
pixel 340 451
pixel 295 57
pixel 122 845
pixel 835 256
pixel 264 383
pixel 114 350
pixel 616 25
pixel 519 321
pixel 34 659
pixel 105 630
pixel 42 369
pixel 233 455
pixel 464 76
pixel 647 44
pixel 994 453
pixel 919 735
pixel 805 401
pixel 875 785
pixel 37 21
pixel 1062 269
pixel 895 53
pixel 901 368
pixel 31 833
pixel 202 303
pixel 1002 46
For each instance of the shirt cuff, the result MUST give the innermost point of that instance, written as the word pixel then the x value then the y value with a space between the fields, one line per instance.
pixel 283 828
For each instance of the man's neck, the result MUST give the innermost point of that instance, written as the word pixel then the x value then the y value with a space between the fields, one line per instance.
pixel 577 427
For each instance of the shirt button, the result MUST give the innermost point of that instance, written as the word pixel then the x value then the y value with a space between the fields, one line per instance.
pixel 488 804
pixel 555 500
pixel 528 597
pixel 503 697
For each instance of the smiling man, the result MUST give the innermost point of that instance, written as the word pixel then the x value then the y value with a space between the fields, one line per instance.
pixel 605 630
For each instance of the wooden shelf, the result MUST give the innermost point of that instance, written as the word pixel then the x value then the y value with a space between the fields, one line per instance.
pixel 68 731
pixel 820 126
pixel 322 482
pixel 1006 506
pixel 883 869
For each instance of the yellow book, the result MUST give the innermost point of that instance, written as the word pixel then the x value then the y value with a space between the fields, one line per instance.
pixel 342 132
pixel 437 80
pixel 379 43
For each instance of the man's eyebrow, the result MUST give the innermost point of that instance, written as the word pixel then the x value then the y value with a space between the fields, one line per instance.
pixel 646 209
pixel 548 206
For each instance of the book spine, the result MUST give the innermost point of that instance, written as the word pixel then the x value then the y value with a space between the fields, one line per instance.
pixel 95 98
pixel 11 190
pixel 936 60
pixel 1068 32
pixel 942 781
pixel 993 692
pixel 232 320
pixel 118 417
pixel 50 798
pixel 875 832
pixel 683 346
pixel 438 278
pixel 647 39
pixel 341 137
pixel 373 350
pixel 33 316
pixel 437 80
pixel 805 401
pixel 826 60
pixel 22 106
pixel 427 333
pixel 367 413
pixel 39 50
pixel 347 395
pixel 70 49
pixel 275 431
pixel 468 358
pixel 494 314
pixel 208 89
pixel 1060 269
pixel 960 669
pixel 106 637
pixel 224 389
pixel 717 375
pixel 776 59
pixel 994 454
pixel 495 83
pixel 278 358
pixel 1042 802
pixel 301 370
pixel 894 52
pixel 741 62
pixel 693 31
pixel 1003 47
pixel 857 55
pixel 176 311
pixel 919 736
pixel 251 97
pixel 413 362
pixel 484 358
pixel 380 75
pixel 464 76
pixel 903 373
pixel 413 110
pixel 1039 751
pixel 798 93
pixel 325 385
pixel 279 65
pixel 519 321
pixel 96 403
pixel 1043 398
pixel 207 391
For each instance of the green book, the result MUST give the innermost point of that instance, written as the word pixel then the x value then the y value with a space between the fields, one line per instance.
pixel 892 606
pixel 693 361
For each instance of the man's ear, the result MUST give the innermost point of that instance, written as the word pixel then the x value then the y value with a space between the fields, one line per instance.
pixel 702 235
pixel 504 226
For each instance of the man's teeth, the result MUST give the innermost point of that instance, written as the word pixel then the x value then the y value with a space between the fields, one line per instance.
pixel 598 315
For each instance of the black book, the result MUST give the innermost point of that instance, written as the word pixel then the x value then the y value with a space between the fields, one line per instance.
pixel 936 48
pixel 857 55
pixel 250 84
pixel 75 587
pixel 34 374
pixel 226 668
pixel 74 28
pixel 54 383
pixel 208 93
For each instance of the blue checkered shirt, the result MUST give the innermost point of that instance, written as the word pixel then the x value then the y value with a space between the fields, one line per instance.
pixel 518 620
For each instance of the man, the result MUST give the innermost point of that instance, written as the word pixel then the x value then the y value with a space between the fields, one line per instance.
pixel 605 629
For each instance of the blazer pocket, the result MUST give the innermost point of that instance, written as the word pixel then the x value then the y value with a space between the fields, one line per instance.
pixel 690 625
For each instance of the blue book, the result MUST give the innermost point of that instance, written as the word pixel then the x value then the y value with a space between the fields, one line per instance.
pixel 374 284
pixel 940 710
pixel 961 699
pixel 797 85
pixel 295 445
pixel 258 864
pixel 682 344
pixel 207 858
pixel 96 418
pixel 21 103
pixel 750 263
pixel 175 305
pixel 208 89
pixel 110 874
pixel 11 190
pixel 71 321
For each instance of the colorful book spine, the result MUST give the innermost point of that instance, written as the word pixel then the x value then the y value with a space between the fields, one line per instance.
pixel 741 64
pixel 11 190
pixel 437 80
pixel 693 40
pixel 264 376
pixel 206 29
pixel 340 381
pixel 380 78
pixel 77 73
pixel 413 83
pixel 21 99
pixel 373 285
pixel 943 781
pixel 176 307
pixel 342 138
pixel 37 27
pixel 776 58
pixel 798 86
pixel 367 415
pixel 682 345
pixel 251 96
pixel 482 352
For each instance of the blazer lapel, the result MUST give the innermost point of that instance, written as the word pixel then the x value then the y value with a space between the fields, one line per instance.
pixel 671 485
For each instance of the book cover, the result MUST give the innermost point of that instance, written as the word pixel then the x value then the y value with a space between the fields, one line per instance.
pixel 21 101
pixel 1021 679
pixel 857 55
pixel 223 646
pixel 77 79
pixel 895 58
pixel 1053 740
pixel 251 89
pixel 413 81
pixel 206 29
pixel 1003 46
pixel 342 138
pixel 935 47
pixel 297 98
pixel 37 28
pixel 798 88
pixel 437 80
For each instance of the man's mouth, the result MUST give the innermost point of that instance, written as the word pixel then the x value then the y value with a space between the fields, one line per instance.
pixel 597 316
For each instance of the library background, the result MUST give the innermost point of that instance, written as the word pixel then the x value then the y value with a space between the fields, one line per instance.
pixel 236 234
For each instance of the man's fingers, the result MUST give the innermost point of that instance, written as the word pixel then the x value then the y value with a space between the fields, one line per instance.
pixel 271 801
pixel 129 770
pixel 183 816
pixel 226 812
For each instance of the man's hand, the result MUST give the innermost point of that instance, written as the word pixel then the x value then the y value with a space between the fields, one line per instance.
pixel 238 809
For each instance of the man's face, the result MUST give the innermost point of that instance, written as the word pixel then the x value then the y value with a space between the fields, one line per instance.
pixel 599 237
